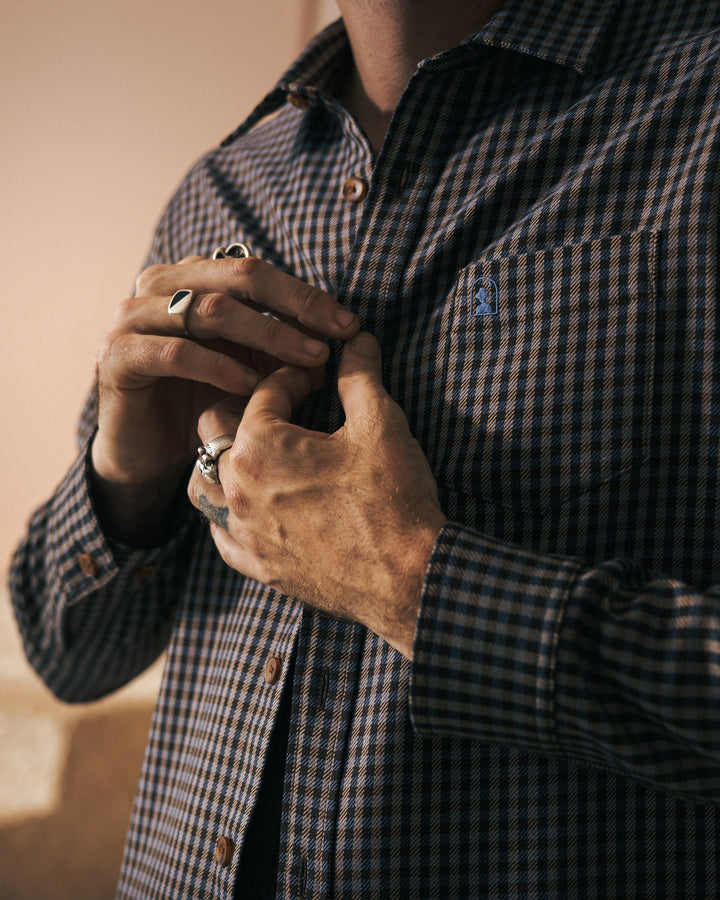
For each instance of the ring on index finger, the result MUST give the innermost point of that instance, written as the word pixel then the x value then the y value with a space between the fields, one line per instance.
pixel 179 306
pixel 208 455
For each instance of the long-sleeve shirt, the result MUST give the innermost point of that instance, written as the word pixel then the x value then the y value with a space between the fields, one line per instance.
pixel 535 248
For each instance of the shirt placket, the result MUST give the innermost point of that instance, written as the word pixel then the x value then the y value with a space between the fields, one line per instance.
pixel 324 691
pixel 328 650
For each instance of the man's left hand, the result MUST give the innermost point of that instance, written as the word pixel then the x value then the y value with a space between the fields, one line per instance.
pixel 345 522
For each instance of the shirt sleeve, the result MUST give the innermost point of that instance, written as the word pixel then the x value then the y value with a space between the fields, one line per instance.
pixel 92 615
pixel 609 667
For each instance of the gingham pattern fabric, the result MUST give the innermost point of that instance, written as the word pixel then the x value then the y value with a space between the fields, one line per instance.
pixel 537 255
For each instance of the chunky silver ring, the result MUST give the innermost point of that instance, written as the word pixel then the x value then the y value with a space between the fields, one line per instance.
pixel 237 250
pixel 209 454
pixel 179 306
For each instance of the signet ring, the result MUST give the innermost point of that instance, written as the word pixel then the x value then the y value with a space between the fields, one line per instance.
pixel 179 306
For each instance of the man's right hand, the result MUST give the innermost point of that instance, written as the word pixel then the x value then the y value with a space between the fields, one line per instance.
pixel 154 381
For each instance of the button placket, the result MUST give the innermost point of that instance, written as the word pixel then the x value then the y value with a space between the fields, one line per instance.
pixel 324 685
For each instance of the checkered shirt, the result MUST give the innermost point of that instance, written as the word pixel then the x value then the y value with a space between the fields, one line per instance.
pixel 536 253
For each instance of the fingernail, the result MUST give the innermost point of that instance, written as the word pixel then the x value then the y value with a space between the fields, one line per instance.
pixel 344 318
pixel 313 348
pixel 364 344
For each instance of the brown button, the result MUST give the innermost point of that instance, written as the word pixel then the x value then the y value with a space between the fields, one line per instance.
pixel 273 668
pixel 354 189
pixel 88 566
pixel 298 101
pixel 224 851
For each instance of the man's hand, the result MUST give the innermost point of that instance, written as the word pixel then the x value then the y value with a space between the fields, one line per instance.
pixel 345 522
pixel 154 380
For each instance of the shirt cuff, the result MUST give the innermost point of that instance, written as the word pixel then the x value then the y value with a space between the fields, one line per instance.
pixel 486 641
pixel 82 560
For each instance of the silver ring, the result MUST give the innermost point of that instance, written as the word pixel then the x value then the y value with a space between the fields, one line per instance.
pixel 209 454
pixel 179 306
pixel 237 250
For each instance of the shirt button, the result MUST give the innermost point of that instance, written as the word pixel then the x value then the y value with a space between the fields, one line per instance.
pixel 224 851
pixel 354 189
pixel 273 668
pixel 88 566
pixel 298 101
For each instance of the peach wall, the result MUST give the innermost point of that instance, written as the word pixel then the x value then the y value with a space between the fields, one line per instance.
pixel 104 106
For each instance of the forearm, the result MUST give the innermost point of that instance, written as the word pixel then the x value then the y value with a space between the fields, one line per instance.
pixel 606 667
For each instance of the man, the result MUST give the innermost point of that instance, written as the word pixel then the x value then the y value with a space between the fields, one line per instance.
pixel 454 630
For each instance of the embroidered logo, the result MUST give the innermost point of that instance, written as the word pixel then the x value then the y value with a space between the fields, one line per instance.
pixel 484 297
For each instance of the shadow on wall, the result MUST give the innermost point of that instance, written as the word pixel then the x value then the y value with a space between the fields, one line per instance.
pixel 74 851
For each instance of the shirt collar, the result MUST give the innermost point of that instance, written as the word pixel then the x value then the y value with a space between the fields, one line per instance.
pixel 569 33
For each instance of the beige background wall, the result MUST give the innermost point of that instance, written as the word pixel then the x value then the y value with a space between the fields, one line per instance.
pixel 104 104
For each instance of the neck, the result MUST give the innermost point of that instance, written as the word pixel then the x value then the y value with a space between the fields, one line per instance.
pixel 389 38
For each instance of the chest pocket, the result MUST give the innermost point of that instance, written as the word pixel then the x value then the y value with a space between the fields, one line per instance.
pixel 548 371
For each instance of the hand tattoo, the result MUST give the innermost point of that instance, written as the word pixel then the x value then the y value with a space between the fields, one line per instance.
pixel 218 515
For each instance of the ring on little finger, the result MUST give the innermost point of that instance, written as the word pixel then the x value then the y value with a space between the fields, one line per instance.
pixel 209 454
pixel 179 306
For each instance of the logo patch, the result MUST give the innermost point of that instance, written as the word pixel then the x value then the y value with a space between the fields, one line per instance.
pixel 484 297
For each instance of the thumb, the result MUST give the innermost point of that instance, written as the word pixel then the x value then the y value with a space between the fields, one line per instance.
pixel 360 375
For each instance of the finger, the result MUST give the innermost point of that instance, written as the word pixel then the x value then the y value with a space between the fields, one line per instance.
pixel 277 395
pixel 236 555
pixel 135 360
pixel 360 377
pixel 223 417
pixel 219 316
pixel 256 281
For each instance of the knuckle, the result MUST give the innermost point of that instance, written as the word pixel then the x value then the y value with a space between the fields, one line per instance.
pixel 206 423
pixel 124 312
pixel 211 308
pixel 220 368
pixel 270 329
pixel 149 277
pixel 240 454
pixel 192 490
pixel 173 352
pixel 236 499
pixel 307 299
pixel 247 266
pixel 110 348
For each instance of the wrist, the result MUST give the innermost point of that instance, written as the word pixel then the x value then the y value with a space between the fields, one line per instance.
pixel 130 510
pixel 400 623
